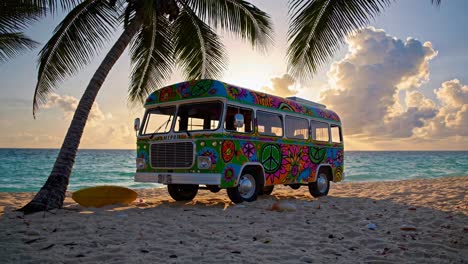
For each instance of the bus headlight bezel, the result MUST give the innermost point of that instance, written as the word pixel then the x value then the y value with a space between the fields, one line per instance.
pixel 204 162
pixel 140 163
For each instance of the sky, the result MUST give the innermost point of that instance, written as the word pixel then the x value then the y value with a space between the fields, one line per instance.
pixel 399 84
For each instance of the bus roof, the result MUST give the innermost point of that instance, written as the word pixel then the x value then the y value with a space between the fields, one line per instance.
pixel 206 88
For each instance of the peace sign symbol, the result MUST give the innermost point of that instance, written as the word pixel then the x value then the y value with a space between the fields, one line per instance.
pixel 271 158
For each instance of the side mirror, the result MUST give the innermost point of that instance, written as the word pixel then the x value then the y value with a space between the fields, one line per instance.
pixel 238 121
pixel 136 125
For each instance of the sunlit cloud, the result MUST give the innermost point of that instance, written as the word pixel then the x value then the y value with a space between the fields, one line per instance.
pixel 375 89
pixel 282 86
pixel 102 129
pixel 368 79
pixel 452 118
pixel 68 105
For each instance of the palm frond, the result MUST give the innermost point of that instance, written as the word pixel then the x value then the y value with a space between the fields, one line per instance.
pixel 198 50
pixel 236 16
pixel 76 40
pixel 53 6
pixel 319 27
pixel 12 44
pixel 151 56
pixel 18 15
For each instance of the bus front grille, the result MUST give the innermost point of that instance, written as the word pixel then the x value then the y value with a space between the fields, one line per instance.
pixel 172 155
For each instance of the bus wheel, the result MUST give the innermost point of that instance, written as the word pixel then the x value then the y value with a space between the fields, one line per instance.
pixel 246 190
pixel 182 192
pixel 266 190
pixel 321 186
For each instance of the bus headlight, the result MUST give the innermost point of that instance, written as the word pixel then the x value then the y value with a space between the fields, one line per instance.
pixel 204 162
pixel 140 163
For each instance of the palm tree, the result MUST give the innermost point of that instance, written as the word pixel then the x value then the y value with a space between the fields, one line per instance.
pixel 161 34
pixel 319 27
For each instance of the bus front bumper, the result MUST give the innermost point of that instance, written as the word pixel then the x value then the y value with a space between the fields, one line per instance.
pixel 179 178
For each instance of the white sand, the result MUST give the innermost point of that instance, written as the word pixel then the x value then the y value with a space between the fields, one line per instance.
pixel 210 229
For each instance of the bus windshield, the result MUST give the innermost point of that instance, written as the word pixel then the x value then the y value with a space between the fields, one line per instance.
pixel 198 116
pixel 158 120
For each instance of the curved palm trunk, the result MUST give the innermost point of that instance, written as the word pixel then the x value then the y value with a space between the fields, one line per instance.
pixel 52 194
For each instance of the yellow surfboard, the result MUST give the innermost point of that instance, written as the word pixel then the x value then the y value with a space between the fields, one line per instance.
pixel 99 196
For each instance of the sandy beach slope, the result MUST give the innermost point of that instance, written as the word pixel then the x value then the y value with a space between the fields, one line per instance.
pixel 356 223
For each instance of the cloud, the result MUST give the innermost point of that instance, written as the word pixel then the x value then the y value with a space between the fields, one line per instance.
pixel 366 85
pixel 375 90
pixel 69 103
pixel 281 86
pixel 452 118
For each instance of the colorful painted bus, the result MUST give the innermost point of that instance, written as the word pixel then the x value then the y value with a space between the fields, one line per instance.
pixel 206 134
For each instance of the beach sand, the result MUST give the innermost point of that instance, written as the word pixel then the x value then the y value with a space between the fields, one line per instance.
pixel 210 229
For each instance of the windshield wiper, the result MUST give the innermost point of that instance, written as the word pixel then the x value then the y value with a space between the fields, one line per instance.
pixel 157 129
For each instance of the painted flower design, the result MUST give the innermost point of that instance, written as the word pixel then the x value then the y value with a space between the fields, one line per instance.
pixel 293 160
pixel 184 90
pixel 331 162
pixel 235 92
pixel 248 148
pixel 275 177
pixel 227 150
pixel 339 156
pixel 229 174
pixel 166 95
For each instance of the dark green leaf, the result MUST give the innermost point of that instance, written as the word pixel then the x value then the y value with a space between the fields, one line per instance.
pixel 236 16
pixel 12 44
pixel 319 27
pixel 198 50
pixel 151 57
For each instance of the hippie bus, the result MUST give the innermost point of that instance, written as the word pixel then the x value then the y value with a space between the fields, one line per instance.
pixel 206 134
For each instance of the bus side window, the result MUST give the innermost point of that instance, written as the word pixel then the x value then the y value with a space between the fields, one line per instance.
pixel 269 124
pixel 319 131
pixel 336 134
pixel 297 128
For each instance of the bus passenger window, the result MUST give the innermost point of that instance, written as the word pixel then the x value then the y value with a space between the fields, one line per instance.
pixel 297 128
pixel 198 116
pixel 319 131
pixel 248 120
pixel 270 124
pixel 336 134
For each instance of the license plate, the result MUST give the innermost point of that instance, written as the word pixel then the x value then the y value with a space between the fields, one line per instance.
pixel 164 178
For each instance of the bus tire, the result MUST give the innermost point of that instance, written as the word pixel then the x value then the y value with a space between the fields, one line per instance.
pixel 266 190
pixel 245 191
pixel 320 186
pixel 182 192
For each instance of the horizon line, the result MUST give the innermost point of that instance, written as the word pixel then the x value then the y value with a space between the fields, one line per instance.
pixel 416 150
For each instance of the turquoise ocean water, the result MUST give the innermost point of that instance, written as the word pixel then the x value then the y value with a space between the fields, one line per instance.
pixel 25 170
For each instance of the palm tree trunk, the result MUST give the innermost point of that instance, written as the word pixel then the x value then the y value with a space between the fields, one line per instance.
pixel 52 194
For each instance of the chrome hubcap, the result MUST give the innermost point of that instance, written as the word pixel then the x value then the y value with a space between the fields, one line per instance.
pixel 246 186
pixel 322 183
